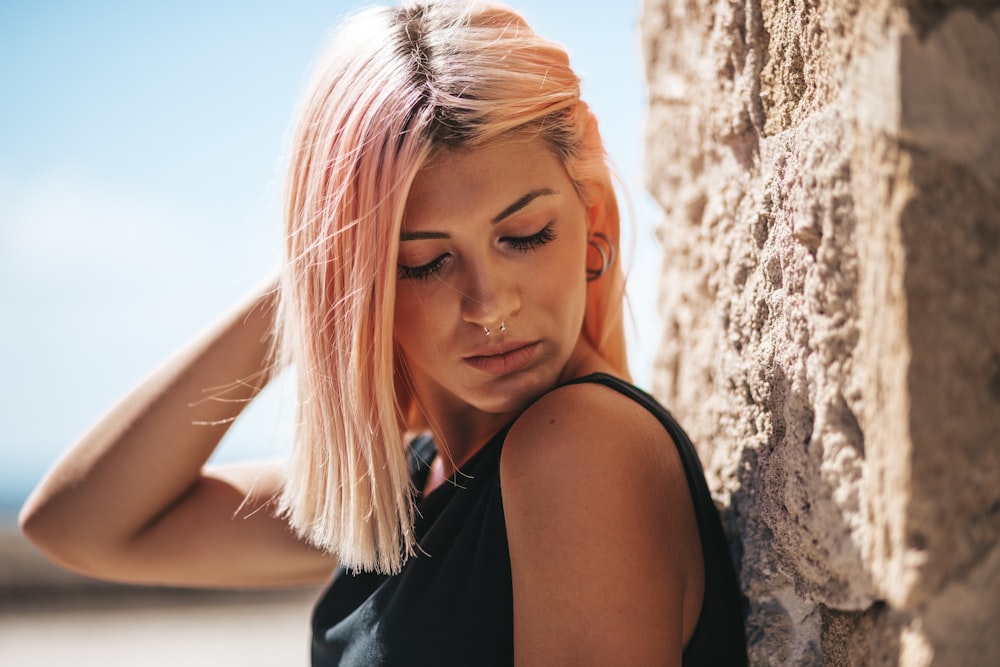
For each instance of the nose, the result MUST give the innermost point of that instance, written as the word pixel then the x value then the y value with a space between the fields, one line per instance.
pixel 491 294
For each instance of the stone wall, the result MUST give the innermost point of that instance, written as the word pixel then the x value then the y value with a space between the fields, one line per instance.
pixel 829 173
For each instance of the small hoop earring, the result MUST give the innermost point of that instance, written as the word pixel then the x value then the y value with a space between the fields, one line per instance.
pixel 602 244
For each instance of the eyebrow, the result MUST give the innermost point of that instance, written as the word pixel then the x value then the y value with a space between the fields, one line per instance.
pixel 521 203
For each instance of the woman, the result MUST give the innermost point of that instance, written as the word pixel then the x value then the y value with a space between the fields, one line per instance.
pixel 467 449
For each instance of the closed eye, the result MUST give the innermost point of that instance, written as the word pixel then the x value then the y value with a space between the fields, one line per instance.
pixel 521 243
pixel 525 243
pixel 422 272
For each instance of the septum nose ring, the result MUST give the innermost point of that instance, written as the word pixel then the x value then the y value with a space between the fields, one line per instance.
pixel 503 328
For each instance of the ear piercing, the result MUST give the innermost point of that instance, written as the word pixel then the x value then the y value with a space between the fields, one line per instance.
pixel 605 249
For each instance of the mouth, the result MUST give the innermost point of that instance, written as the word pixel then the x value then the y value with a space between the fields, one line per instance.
pixel 506 359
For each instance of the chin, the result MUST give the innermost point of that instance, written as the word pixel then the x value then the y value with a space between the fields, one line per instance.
pixel 514 393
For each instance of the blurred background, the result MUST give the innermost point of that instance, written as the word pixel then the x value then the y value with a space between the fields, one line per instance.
pixel 141 157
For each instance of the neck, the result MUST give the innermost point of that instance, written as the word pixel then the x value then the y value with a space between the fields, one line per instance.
pixel 460 430
pixel 459 434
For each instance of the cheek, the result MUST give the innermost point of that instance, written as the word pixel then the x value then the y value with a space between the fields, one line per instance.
pixel 408 321
pixel 579 277
pixel 566 284
pixel 418 320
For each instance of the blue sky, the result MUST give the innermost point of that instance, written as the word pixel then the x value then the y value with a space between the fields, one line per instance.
pixel 141 160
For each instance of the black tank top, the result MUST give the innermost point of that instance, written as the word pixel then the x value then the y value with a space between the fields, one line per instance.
pixel 452 603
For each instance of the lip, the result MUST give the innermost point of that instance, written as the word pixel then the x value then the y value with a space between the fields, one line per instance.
pixel 502 359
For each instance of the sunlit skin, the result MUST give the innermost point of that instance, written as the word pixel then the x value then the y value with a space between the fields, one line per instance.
pixel 491 235
pixel 605 554
pixel 499 234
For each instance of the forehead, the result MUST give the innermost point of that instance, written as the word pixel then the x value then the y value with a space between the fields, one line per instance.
pixel 465 185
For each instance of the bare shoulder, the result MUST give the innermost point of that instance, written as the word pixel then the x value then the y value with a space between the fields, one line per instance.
pixel 589 427
pixel 604 546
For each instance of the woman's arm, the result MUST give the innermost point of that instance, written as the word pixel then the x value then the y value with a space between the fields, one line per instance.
pixel 605 554
pixel 132 502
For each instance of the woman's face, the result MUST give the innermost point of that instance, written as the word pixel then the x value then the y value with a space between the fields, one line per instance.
pixel 493 238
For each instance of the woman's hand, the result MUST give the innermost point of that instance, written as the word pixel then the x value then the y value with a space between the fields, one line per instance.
pixel 131 500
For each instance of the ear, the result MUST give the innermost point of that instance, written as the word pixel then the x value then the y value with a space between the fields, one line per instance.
pixel 594 215
pixel 602 209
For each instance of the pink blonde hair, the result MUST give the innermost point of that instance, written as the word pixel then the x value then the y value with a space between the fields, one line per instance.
pixel 395 87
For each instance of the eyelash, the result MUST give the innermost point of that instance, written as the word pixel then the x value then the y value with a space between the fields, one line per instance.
pixel 521 243
pixel 422 272
pixel 537 240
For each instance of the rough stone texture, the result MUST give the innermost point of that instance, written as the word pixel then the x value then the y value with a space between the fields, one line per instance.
pixel 830 179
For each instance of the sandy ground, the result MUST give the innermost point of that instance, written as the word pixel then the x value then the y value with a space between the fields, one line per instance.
pixel 48 617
